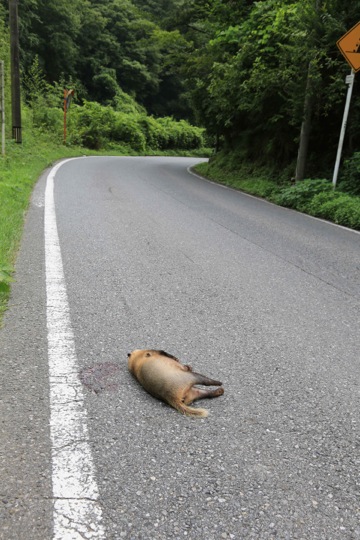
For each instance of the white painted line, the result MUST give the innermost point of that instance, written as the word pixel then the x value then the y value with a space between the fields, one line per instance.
pixel 77 513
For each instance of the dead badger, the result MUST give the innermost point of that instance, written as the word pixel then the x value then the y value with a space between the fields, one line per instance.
pixel 164 377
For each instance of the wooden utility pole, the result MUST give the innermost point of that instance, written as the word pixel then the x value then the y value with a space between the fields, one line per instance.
pixel 15 70
pixel 308 101
pixel 305 127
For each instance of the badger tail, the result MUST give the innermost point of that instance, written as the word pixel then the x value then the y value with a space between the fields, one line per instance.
pixel 191 411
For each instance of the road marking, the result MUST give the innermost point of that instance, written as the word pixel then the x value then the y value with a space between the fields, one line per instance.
pixel 76 511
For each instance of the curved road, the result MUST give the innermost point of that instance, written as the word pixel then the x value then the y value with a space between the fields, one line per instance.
pixel 263 298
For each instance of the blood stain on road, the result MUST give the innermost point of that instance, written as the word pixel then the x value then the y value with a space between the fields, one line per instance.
pixel 99 377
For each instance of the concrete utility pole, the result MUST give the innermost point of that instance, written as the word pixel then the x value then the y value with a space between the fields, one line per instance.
pixel 15 70
pixel 350 82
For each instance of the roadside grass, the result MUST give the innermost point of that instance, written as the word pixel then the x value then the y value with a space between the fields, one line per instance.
pixel 20 169
pixel 312 196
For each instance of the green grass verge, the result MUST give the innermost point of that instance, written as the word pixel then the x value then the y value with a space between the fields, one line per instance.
pixel 20 168
pixel 312 196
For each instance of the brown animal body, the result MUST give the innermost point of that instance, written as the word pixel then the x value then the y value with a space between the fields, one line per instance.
pixel 165 378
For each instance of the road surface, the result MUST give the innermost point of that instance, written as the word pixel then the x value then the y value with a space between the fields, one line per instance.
pixel 147 255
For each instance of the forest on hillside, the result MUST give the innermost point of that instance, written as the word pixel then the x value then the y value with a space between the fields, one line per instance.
pixel 247 71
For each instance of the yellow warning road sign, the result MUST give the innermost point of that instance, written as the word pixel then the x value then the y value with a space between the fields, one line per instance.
pixel 349 46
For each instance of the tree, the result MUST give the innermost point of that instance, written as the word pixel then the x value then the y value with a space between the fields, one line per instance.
pixel 253 79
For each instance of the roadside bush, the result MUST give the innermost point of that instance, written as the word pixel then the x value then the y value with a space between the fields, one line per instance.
pixel 338 207
pixel 50 120
pixel 347 211
pixel 127 129
pixel 299 195
pixel 91 125
pixel 321 204
pixel 96 126
pixel 317 198
pixel 350 176
pixel 157 137
pixel 181 134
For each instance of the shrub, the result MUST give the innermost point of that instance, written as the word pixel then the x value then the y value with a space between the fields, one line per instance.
pixel 335 206
pixel 350 176
pixel 320 205
pixel 127 129
pixel 347 211
pixel 157 136
pixel 91 125
pixel 181 134
pixel 95 126
pixel 299 195
pixel 50 120
pixel 338 207
pixel 316 197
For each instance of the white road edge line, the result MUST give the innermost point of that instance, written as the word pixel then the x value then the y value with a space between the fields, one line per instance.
pixel 77 513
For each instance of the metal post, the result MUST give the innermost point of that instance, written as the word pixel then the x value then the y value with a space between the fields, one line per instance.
pixel 2 106
pixel 15 70
pixel 350 81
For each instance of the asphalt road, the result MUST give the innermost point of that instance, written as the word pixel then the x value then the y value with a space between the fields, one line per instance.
pixel 262 298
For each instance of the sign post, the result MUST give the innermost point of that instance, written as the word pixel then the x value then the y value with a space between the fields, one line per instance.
pixel 350 81
pixel 349 45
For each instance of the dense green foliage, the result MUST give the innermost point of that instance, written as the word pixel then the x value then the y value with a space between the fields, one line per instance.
pixel 249 72
pixel 93 126
pixel 104 47
pixel 96 126
pixel 351 175
pixel 251 77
